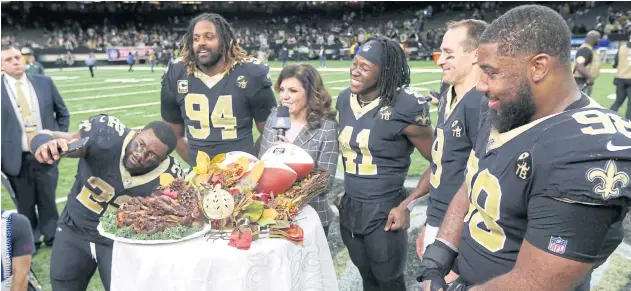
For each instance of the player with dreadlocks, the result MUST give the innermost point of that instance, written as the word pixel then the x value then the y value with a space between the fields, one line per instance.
pixel 381 122
pixel 215 91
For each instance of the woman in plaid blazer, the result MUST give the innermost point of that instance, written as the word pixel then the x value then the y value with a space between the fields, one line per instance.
pixel 313 126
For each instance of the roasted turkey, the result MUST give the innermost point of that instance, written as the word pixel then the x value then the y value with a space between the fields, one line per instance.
pixel 155 213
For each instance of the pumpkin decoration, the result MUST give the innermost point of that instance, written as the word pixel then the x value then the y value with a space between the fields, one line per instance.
pixel 217 203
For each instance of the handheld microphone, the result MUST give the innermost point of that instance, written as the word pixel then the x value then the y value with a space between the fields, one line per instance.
pixel 282 123
pixel 432 93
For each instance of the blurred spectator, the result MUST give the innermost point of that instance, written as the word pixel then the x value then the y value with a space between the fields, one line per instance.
pixel 90 63
pixel 152 60
pixel 130 62
pixel 70 59
pixel 60 62
pixel 322 57
pixel 34 67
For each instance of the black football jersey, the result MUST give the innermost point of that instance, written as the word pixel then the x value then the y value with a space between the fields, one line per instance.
pixel 376 154
pixel 217 111
pixel 102 183
pixel 454 135
pixel 580 155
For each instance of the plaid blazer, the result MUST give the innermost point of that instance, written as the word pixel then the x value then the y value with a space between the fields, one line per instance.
pixel 321 143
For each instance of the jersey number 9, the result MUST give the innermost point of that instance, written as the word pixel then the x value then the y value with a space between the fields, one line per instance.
pixel 198 109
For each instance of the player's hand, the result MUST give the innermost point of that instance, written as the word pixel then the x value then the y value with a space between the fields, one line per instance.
pixel 427 286
pixel 437 284
pixel 399 218
pixel 590 81
pixel 49 152
pixel 420 240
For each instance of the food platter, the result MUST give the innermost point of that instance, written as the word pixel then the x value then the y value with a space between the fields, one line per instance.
pixel 113 237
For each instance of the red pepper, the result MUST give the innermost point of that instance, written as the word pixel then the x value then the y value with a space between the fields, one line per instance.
pixel 167 192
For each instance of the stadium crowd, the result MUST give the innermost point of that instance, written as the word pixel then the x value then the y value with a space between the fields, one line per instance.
pixel 310 24
pixel 374 206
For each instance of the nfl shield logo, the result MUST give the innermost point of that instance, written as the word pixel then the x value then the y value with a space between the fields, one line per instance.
pixel 557 245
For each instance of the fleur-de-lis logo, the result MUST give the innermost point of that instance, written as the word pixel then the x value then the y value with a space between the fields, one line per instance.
pixel 422 120
pixel 609 182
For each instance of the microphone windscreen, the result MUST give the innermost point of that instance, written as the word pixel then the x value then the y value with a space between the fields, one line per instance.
pixel 283 111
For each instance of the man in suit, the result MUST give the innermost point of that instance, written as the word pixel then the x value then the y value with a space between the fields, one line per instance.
pixel 30 103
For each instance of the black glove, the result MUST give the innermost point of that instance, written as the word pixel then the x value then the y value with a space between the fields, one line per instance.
pixel 458 285
pixel 615 81
pixel 436 264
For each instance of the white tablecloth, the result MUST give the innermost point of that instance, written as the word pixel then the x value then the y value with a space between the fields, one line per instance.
pixel 201 264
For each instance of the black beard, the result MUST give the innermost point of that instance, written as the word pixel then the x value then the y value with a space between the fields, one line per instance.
pixel 516 113
pixel 211 61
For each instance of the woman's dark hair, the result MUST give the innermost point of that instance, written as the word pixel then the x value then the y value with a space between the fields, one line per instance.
pixel 318 98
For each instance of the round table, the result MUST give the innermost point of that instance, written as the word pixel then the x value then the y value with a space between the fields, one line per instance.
pixel 203 264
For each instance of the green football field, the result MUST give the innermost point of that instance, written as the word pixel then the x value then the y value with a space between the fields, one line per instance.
pixel 134 98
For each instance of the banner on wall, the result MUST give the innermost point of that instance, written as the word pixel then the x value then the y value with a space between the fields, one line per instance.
pixel 120 53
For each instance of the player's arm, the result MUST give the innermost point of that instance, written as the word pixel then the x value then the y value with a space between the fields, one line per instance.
pixel 23 249
pixel 420 133
pixel 584 57
pixel 261 105
pixel 439 257
pixel 47 145
pixel 562 242
pixel 182 146
pixel 450 231
pixel 422 137
pixel 170 111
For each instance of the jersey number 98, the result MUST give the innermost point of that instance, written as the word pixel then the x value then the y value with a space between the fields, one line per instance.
pixel 222 116
pixel 486 213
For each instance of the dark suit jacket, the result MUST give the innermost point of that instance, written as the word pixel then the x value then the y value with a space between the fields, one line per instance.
pixel 53 113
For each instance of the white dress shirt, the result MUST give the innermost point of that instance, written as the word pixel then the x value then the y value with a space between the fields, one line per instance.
pixel 31 98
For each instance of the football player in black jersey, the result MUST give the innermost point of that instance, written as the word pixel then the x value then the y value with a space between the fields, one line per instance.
pixel 381 123
pixel 215 91
pixel 547 182
pixel 116 164
pixel 458 121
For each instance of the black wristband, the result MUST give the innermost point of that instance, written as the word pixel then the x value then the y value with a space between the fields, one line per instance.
pixel 39 140
pixel 439 255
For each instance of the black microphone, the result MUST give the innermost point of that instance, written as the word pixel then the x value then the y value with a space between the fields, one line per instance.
pixel 281 123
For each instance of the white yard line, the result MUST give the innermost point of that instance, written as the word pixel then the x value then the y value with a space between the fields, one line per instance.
pixel 116 108
pixel 337 81
pixel 110 95
pixel 425 83
pixel 108 88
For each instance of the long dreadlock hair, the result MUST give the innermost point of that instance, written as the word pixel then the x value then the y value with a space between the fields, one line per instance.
pixel 232 53
pixel 394 73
